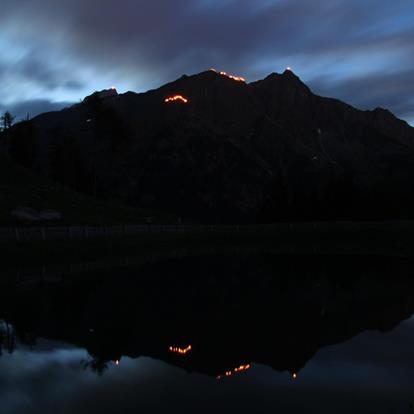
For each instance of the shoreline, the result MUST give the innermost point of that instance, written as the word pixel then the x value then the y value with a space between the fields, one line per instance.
pixel 387 238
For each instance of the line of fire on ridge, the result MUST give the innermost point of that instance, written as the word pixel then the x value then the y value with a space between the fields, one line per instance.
pixel 237 370
pixel 235 78
pixel 181 351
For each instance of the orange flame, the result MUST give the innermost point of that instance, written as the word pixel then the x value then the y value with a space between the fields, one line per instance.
pixel 181 351
pixel 237 370
pixel 176 98
pixel 235 78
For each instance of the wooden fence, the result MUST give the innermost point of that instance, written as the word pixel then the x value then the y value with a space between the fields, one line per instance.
pixel 21 234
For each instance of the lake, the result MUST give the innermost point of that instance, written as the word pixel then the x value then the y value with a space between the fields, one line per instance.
pixel 233 332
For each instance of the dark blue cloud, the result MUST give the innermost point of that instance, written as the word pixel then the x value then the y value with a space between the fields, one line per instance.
pixel 359 51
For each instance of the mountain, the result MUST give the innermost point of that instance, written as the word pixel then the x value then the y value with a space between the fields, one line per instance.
pixel 224 150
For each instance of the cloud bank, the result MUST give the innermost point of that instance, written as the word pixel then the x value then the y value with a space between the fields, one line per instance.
pixel 361 52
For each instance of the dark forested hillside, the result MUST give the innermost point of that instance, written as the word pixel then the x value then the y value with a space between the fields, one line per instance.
pixel 21 189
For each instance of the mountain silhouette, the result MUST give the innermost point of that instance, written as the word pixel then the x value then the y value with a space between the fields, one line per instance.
pixel 214 148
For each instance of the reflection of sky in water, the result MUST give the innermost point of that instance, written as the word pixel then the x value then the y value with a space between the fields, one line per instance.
pixel 370 373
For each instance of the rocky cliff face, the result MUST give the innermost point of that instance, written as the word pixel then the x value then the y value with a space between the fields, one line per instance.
pixel 265 151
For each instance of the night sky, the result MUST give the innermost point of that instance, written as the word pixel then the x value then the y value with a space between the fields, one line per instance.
pixel 54 53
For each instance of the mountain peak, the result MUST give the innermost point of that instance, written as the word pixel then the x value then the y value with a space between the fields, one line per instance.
pixel 289 73
pixel 286 75
pixel 287 80
pixel 103 94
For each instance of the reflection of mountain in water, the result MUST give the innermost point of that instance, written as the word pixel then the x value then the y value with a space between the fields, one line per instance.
pixel 272 310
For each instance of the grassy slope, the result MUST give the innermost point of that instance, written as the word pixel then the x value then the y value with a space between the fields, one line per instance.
pixel 21 187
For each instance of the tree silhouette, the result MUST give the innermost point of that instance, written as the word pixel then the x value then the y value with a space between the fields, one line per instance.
pixel 7 338
pixel 7 120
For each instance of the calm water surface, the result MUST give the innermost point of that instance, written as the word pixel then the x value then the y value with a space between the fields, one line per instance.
pixel 293 333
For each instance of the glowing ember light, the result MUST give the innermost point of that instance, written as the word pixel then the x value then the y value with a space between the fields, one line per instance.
pixel 117 362
pixel 181 351
pixel 235 78
pixel 242 368
pixel 237 370
pixel 294 376
pixel 176 98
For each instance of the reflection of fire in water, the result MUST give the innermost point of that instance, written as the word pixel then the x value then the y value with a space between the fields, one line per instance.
pixel 181 351
pixel 176 98
pixel 235 78
pixel 237 370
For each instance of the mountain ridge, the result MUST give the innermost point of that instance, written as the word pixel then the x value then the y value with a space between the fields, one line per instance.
pixel 214 148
